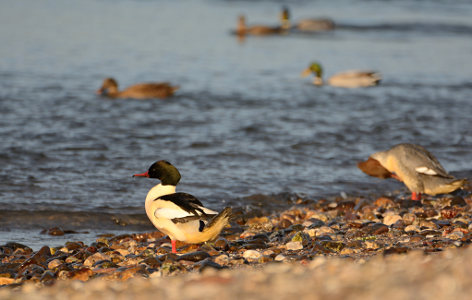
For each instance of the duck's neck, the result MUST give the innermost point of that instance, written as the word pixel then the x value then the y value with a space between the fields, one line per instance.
pixel 112 92
pixel 318 80
pixel 241 28
pixel 285 24
pixel 158 191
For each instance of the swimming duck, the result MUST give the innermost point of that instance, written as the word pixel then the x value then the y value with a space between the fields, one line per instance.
pixel 180 215
pixel 242 29
pixel 413 165
pixel 306 25
pixel 138 91
pixel 347 79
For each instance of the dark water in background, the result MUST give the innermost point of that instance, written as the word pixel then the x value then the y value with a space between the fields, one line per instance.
pixel 244 129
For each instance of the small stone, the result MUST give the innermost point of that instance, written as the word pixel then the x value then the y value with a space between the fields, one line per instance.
pixel 324 230
pixel 221 244
pixel 384 202
pixel 131 272
pixel 82 274
pixel 71 259
pixel 294 245
pixel 123 252
pixel 428 224
pixel 92 259
pixel 74 245
pixel 416 238
pixel 412 228
pixel 396 250
pixel 349 251
pixel 371 245
pixel 375 229
pixel 194 256
pixel 409 218
pixel 301 237
pixel 252 255
pixel 410 203
pixel 313 223
pixel 392 219
pixel 207 264
pixel 150 261
pixel 455 235
pixel 5 281
pixel 222 259
pixel 55 231
pixel 54 263
pixel 280 257
pixel 333 245
pixel 285 223
pixel 310 231
pixel 48 278
pixel 458 201
pixel 449 212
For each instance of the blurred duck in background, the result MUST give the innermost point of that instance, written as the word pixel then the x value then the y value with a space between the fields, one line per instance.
pixel 347 79
pixel 306 25
pixel 152 90
pixel 243 29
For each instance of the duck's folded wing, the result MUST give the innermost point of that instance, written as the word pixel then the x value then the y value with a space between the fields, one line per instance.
pixel 192 218
pixel 425 162
pixel 187 203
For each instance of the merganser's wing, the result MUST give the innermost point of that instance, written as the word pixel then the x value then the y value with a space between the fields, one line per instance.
pixel 187 203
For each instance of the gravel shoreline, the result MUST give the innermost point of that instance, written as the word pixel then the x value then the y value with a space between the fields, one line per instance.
pixel 341 248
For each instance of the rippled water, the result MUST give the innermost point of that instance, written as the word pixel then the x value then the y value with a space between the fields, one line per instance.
pixel 244 129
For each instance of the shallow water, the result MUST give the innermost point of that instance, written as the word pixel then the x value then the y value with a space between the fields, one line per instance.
pixel 244 129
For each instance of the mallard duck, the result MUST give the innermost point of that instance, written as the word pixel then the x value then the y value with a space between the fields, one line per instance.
pixel 138 91
pixel 306 25
pixel 413 165
pixel 242 29
pixel 180 215
pixel 347 79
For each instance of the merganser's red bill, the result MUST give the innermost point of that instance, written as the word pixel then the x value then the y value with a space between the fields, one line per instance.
pixel 145 174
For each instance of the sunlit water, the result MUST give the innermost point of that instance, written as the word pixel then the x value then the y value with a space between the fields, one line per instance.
pixel 244 129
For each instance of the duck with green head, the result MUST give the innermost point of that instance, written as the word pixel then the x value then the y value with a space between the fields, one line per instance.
pixel 306 25
pixel 347 79
pixel 180 215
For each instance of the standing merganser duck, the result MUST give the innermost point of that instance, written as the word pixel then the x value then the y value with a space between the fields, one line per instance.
pixel 180 215
pixel 415 166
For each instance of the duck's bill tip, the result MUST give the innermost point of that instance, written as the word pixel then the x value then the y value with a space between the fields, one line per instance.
pixel 145 174
pixel 305 73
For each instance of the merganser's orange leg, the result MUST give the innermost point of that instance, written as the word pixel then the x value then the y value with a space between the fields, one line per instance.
pixel 415 196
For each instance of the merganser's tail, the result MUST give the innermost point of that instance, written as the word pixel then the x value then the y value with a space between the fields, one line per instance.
pixel 439 185
pixel 212 229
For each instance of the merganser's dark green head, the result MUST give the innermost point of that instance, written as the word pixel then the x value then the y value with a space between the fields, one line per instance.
pixel 314 68
pixel 164 171
pixel 285 17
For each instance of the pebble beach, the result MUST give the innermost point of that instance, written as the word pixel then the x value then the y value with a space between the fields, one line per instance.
pixel 246 132
pixel 388 247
